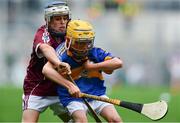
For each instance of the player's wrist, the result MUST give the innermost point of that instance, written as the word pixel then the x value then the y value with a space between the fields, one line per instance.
pixel 69 85
pixel 95 66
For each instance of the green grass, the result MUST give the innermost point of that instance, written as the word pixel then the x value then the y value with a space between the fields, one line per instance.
pixel 11 111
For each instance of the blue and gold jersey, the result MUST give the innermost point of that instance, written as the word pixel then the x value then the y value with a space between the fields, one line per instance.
pixel 90 82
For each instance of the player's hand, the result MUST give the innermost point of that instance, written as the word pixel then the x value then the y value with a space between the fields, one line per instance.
pixel 88 65
pixel 74 91
pixel 64 68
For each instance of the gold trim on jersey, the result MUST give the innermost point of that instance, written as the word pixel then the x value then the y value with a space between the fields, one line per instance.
pixel 81 72
pixel 75 73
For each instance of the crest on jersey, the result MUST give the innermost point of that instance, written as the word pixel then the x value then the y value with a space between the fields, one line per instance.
pixel 45 36
pixel 84 73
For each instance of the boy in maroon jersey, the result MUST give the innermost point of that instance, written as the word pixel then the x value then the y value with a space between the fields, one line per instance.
pixel 40 93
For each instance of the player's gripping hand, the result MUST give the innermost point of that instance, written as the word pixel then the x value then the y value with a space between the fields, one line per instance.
pixel 63 68
pixel 88 65
pixel 74 91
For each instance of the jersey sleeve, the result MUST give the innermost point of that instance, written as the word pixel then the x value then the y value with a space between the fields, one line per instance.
pixel 101 55
pixel 41 37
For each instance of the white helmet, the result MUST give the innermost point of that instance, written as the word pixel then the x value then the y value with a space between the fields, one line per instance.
pixel 56 8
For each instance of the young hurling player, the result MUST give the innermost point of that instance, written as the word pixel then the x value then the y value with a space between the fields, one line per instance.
pixel 39 92
pixel 77 50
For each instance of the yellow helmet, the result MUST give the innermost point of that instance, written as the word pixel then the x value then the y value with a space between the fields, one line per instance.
pixel 81 37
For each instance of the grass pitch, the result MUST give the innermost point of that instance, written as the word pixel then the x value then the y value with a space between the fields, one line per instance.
pixel 11 101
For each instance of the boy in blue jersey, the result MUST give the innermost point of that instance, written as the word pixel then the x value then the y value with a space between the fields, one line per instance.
pixel 87 64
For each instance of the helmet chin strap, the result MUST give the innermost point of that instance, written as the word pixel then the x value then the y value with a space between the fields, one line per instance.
pixel 68 44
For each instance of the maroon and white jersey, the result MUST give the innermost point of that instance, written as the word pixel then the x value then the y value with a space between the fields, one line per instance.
pixel 35 83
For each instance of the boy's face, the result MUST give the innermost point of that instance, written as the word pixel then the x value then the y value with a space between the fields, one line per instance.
pixel 58 23
pixel 81 45
pixel 79 48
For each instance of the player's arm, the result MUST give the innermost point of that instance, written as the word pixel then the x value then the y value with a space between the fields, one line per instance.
pixel 50 72
pixel 107 65
pixel 50 54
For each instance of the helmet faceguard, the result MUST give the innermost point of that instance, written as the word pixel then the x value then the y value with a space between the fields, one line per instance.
pixel 56 9
pixel 81 38
pixel 80 48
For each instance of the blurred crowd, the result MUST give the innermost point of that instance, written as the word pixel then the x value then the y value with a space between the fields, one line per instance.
pixel 145 34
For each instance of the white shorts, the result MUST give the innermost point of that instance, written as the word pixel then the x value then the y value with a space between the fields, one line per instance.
pixel 41 103
pixel 97 106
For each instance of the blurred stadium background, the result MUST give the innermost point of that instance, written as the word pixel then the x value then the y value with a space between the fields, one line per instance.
pixel 145 34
